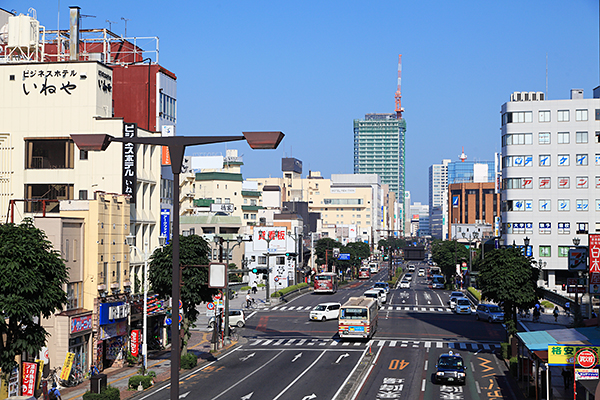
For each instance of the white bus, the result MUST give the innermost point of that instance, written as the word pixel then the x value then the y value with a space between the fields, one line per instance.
pixel 374 267
pixel 358 318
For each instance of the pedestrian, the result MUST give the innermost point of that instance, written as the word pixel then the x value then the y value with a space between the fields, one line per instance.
pixel 53 393
pixel 254 287
pixel 248 300
pixel 565 374
pixel 536 314
pixel 568 308
pixel 555 312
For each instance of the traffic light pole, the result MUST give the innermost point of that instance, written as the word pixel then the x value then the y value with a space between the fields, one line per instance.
pixel 268 298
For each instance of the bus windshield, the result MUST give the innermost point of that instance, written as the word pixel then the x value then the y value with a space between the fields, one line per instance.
pixel 323 278
pixel 353 313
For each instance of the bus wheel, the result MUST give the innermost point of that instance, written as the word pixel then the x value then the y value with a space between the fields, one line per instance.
pixel 323 319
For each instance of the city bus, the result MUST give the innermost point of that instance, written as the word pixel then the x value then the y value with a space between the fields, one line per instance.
pixel 326 282
pixel 364 273
pixel 358 318
pixel 374 268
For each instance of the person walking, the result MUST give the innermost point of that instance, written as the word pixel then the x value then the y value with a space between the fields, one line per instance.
pixel 254 287
pixel 568 308
pixel 555 312
pixel 53 393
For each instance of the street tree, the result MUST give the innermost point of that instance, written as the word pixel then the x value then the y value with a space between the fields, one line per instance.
pixel 32 280
pixel 509 278
pixel 324 251
pixel 193 250
pixel 446 254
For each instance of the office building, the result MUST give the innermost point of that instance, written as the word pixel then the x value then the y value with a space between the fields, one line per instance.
pixel 438 199
pixel 550 179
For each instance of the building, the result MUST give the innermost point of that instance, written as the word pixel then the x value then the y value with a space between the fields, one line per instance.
pixel 550 185
pixel 471 171
pixel 419 214
pixel 472 203
pixel 438 199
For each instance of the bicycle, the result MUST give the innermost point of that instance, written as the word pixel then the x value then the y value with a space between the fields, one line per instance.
pixel 54 377
pixel 251 306
pixel 233 334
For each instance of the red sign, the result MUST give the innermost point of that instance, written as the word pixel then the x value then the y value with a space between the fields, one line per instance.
pixel 29 374
pixel 594 243
pixel 217 296
pixel 135 342
pixel 586 358
pixel 80 324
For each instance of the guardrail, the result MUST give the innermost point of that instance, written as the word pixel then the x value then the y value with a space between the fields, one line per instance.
pixel 558 299
pixel 290 295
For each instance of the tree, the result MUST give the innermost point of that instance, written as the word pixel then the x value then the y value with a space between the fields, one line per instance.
pixel 446 254
pixel 509 278
pixel 193 250
pixel 361 250
pixel 32 279
pixel 325 246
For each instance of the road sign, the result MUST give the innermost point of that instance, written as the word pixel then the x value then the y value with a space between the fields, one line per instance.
pixel 586 358
pixel 344 256
pixel 210 306
pixel 217 296
pixel 575 289
pixel 578 259
pixel 168 321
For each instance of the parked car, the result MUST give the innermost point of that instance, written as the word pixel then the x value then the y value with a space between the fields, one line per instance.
pixel 404 284
pixel 489 313
pixel 463 306
pixel 236 318
pixel 383 285
pixel 450 368
pixel 325 311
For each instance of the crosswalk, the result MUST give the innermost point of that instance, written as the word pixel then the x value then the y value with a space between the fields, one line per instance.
pixel 379 343
pixel 383 308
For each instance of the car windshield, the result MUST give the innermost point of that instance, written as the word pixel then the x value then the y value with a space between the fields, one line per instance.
pixel 380 285
pixel 462 302
pixel 450 362
pixel 457 294
pixel 495 309
pixel 320 307
pixel 408 275
pixel 371 295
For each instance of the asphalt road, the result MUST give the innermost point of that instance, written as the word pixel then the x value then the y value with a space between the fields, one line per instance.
pixel 287 356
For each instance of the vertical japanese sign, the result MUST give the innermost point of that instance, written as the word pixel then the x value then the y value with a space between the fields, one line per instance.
pixel 165 223
pixel 129 162
pixel 135 342
pixel 594 255
pixel 68 364
pixel 28 382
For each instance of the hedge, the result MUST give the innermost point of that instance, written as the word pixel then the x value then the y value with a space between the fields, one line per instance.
pixel 134 381
pixel 189 361
pixel 110 393
pixel 288 289
pixel 475 292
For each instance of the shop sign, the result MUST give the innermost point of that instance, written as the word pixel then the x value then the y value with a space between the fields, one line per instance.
pixel 113 330
pixel 584 374
pixel 110 312
pixel 68 364
pixel 564 355
pixel 135 342
pixel 29 374
pixel 129 161
pixel 586 358
pixel 80 324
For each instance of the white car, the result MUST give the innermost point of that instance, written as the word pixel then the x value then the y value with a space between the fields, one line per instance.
pixel 408 277
pixel 463 306
pixel 325 311
pixel 404 284
pixel 411 268
pixel 383 293
pixel 374 294
pixel 421 272
pixel 236 318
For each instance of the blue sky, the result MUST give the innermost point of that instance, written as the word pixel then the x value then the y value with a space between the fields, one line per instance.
pixel 309 68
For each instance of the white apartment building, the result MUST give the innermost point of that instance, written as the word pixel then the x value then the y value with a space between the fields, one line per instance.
pixel 438 199
pixel 551 176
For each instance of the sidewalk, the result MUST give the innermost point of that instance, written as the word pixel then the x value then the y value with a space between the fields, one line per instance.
pixel 160 361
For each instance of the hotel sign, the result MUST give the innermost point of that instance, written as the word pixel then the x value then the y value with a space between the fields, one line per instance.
pixel 129 161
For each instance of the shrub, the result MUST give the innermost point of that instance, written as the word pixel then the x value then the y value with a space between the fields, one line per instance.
pixel 110 393
pixel 548 305
pixel 189 361
pixel 505 348
pixel 288 289
pixel 475 292
pixel 513 365
pixel 134 381
pixel 131 360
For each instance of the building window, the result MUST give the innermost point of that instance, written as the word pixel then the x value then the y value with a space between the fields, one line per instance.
pixel 581 115
pixel 227 201
pixel 597 205
pixel 581 159
pixel 67 250
pixel 564 160
pixel 545 251
pixel 253 216
pixel 518 183
pixel 83 195
pixel 544 116
pixel 544 138
pixel 246 216
pixel 280 260
pixel 582 228
pixel 47 192
pixel 218 200
pixel 74 295
pixel 49 154
pixel 562 116
pixel 582 182
pixel 544 205
pixel 563 182
pixel 564 205
pixel 544 160
pixel 563 138
pixel 564 228
pixel 582 204
pixel 563 251
pixel 83 154
pixel 581 137
pixel 262 260
pixel 545 228
pixel 517 138
pixel 517 161
pixel 519 117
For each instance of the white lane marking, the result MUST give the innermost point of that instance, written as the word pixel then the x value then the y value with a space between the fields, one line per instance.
pixel 477 386
pixel 299 376
pixel 275 308
pixel 380 343
pixel 423 385
pixel 277 343
pixel 427 344
pixel 334 342
pixel 300 342
pixel 393 343
pixel 256 342
pixel 441 302
pixel 289 342
pixel 426 364
pixel 439 345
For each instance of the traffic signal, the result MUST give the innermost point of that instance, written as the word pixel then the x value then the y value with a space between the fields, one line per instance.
pixel 290 255
pixel 260 270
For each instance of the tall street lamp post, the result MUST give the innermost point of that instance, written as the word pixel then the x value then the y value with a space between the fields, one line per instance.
pixel 131 242
pixel 176 146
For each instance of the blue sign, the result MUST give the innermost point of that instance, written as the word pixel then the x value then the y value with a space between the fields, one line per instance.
pixel 454 201
pixel 165 223
pixel 110 313
pixel 344 256
pixel 168 321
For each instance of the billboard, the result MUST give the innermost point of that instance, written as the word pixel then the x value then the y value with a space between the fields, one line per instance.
pixel 129 161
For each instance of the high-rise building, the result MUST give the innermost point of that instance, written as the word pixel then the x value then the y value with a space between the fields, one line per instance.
pixel 438 199
pixel 551 187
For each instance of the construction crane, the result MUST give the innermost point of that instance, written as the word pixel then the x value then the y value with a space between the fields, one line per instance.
pixel 399 109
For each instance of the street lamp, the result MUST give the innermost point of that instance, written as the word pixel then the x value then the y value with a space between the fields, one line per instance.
pixel 131 243
pixel 176 146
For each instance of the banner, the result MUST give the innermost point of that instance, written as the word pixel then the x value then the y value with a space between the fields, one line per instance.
pixel 563 355
pixel 135 342
pixel 28 382
pixel 66 369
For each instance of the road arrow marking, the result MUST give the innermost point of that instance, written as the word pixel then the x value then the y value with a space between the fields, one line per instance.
pixel 309 397
pixel 247 357
pixel 297 356
pixel 184 395
pixel 340 358
pixel 247 397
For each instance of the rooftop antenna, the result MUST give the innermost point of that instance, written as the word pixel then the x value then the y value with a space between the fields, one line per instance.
pixel 85 16
pixel 110 24
pixel 463 156
pixel 399 109
pixel 125 19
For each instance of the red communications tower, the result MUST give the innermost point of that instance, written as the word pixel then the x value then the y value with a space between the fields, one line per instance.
pixel 399 109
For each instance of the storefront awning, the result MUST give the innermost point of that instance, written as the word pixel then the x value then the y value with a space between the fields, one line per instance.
pixel 538 340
